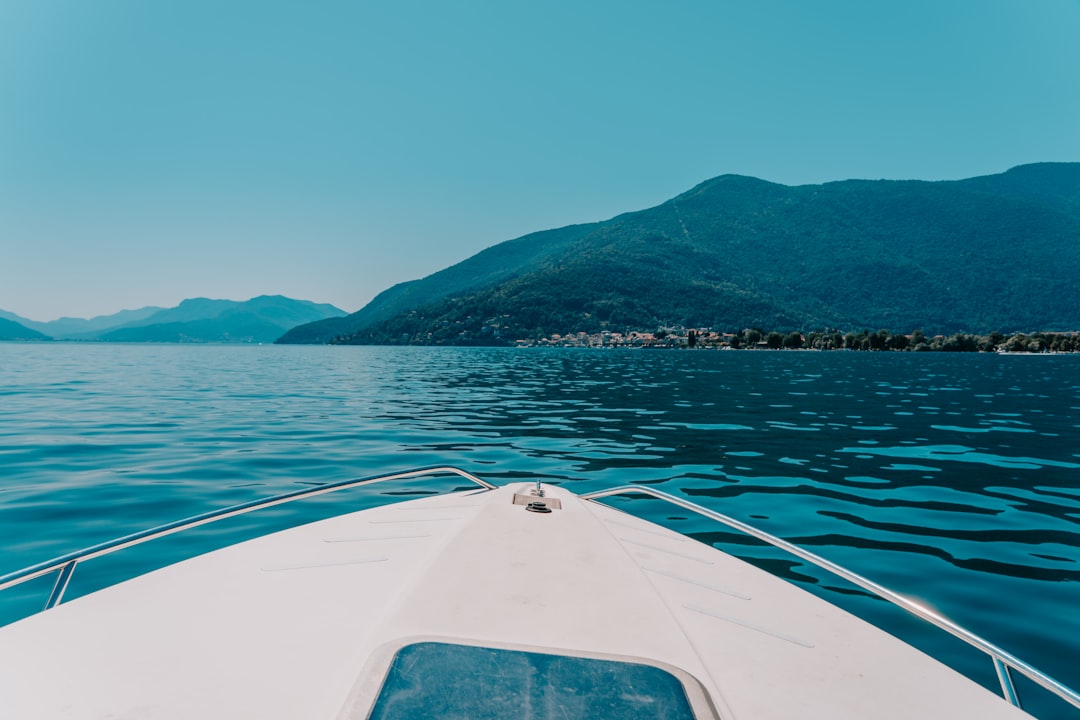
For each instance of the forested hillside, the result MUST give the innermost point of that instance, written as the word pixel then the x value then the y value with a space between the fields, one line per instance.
pixel 993 253
pixel 484 269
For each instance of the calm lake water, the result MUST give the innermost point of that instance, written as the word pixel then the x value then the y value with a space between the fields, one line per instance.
pixel 954 479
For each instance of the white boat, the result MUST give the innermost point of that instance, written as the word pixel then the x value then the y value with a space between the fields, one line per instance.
pixel 522 601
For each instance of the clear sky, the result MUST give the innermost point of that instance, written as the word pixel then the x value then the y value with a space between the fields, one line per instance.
pixel 154 151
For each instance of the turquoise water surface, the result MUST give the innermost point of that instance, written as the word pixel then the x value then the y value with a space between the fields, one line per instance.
pixel 954 479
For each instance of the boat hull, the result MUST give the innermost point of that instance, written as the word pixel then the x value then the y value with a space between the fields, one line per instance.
pixel 305 622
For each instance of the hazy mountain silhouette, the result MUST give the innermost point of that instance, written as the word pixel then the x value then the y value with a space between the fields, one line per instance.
pixel 261 319
pixel 11 330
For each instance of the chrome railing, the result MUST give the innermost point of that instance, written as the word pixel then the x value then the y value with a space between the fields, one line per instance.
pixel 1004 661
pixel 65 564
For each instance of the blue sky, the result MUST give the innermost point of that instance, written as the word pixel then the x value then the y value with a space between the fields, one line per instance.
pixel 153 151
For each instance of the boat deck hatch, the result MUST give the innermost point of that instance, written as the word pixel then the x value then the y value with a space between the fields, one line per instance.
pixel 442 680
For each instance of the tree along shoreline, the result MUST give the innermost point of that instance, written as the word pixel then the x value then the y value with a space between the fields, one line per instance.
pixel 865 340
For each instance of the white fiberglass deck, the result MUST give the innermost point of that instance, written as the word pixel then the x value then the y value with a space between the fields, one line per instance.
pixel 302 623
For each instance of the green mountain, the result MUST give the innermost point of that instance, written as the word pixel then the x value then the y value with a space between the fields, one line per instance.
pixel 261 319
pixel 11 330
pixel 990 253
pixel 69 328
pixel 486 268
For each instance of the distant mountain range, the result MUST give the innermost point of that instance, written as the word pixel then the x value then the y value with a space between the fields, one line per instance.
pixel 11 330
pixel 261 319
pixel 1000 252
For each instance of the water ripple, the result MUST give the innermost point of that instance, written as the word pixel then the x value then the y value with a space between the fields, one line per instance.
pixel 959 453
pixel 949 477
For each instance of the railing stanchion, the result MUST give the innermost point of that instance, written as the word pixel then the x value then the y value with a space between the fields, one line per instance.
pixel 66 563
pixel 61 584
pixel 1005 678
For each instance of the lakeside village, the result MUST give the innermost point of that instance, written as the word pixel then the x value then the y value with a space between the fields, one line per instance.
pixel 753 339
